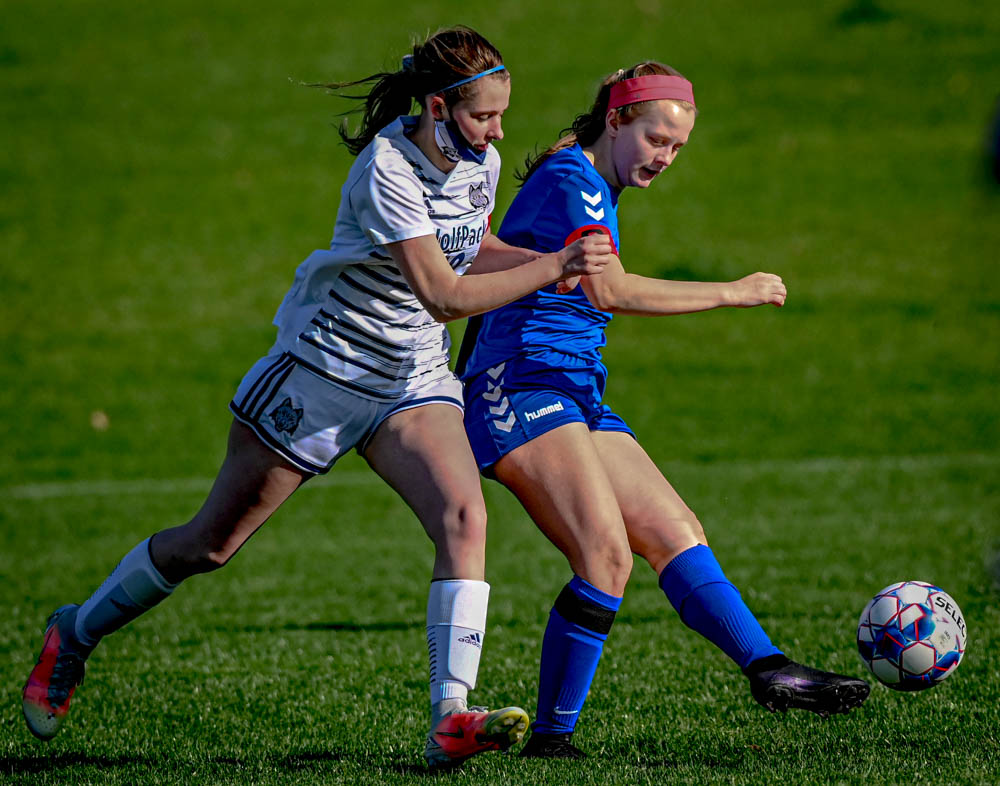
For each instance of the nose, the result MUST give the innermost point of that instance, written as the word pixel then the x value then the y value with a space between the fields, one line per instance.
pixel 666 157
pixel 496 130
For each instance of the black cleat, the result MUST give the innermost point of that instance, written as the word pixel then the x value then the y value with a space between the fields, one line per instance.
pixel 780 684
pixel 551 746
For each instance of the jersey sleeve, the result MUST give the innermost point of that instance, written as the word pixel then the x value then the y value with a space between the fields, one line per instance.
pixel 388 202
pixel 573 207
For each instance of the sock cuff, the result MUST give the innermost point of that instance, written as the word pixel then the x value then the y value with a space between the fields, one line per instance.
pixel 139 577
pixel 584 589
pixel 154 572
pixel 695 567
pixel 581 603
pixel 461 602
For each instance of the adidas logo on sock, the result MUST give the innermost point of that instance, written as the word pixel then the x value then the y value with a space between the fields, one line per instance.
pixel 474 639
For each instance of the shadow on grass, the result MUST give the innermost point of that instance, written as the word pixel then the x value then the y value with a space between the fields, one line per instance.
pixel 29 764
pixel 314 761
pixel 345 627
pixel 306 761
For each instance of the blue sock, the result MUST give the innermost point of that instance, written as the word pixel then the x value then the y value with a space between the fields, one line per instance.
pixel 574 639
pixel 709 604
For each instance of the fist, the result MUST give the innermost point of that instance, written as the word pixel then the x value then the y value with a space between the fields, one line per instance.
pixel 759 289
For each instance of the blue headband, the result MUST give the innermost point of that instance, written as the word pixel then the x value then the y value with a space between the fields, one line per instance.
pixel 461 82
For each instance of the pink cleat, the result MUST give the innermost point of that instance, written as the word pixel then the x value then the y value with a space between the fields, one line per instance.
pixel 50 685
pixel 465 733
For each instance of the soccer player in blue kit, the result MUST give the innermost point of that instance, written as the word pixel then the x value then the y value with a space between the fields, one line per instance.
pixel 536 421
pixel 361 362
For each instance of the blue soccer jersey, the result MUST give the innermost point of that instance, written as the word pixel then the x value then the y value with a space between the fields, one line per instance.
pixel 563 200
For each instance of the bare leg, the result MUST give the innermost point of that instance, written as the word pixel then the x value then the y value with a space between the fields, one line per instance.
pixel 659 524
pixel 424 455
pixel 564 486
pixel 252 483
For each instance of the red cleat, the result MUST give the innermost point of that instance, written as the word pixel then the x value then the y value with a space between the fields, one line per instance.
pixel 50 685
pixel 465 733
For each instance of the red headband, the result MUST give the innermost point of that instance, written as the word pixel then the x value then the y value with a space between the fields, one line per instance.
pixel 650 88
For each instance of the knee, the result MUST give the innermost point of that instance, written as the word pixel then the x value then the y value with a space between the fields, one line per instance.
pixel 618 558
pixel 209 560
pixel 607 564
pixel 202 560
pixel 689 526
pixel 660 539
pixel 463 525
pixel 179 556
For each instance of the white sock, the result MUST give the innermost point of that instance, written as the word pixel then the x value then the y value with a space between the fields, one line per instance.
pixel 134 587
pixel 456 625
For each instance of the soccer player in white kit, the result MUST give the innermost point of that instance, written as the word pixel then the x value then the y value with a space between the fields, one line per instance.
pixel 361 361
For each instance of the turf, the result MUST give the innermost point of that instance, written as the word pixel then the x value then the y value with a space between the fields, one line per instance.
pixel 162 172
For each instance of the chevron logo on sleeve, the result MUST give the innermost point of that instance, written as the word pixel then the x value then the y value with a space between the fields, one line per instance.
pixel 592 201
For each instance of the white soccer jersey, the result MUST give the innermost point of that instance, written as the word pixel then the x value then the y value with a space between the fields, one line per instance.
pixel 350 315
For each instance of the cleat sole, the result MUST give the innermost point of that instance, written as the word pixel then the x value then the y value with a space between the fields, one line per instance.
pixel 836 700
pixel 499 731
pixel 506 729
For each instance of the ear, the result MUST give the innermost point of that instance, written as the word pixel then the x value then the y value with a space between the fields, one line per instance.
pixel 612 122
pixel 437 107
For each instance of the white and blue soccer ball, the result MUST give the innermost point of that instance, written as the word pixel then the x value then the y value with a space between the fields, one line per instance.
pixel 911 635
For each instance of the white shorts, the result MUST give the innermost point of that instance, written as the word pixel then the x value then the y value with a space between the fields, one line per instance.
pixel 311 421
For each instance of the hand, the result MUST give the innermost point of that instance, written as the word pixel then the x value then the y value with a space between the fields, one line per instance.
pixel 567 285
pixel 586 256
pixel 758 289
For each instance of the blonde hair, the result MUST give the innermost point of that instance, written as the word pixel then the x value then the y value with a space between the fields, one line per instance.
pixel 588 127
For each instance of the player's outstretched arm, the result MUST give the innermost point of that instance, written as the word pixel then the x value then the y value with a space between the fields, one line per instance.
pixel 448 296
pixel 495 255
pixel 618 292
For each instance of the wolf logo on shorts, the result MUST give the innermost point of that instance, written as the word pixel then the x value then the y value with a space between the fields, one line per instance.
pixel 286 417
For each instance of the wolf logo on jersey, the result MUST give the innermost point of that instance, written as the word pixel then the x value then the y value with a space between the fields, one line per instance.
pixel 477 196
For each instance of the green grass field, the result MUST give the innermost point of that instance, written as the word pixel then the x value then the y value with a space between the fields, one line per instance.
pixel 161 174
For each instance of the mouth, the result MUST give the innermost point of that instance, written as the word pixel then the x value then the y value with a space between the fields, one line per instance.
pixel 482 148
pixel 647 174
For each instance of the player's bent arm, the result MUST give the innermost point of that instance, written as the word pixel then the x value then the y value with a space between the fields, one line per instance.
pixel 618 292
pixel 495 255
pixel 448 296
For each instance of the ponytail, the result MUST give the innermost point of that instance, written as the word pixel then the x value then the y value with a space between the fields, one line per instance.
pixel 392 94
pixel 588 127
pixel 447 57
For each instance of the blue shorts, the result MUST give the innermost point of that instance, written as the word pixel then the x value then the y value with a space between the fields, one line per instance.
pixel 526 396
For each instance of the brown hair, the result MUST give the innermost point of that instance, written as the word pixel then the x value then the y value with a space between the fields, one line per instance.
pixel 446 57
pixel 588 127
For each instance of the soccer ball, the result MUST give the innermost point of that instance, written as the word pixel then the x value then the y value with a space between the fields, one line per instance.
pixel 911 635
